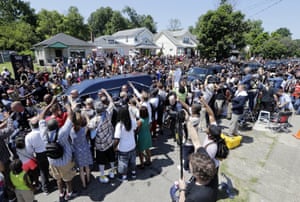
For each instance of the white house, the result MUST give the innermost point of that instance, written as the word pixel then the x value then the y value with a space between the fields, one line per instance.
pixel 126 41
pixel 61 46
pixel 177 43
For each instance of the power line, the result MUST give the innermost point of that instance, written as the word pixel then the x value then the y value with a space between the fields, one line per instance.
pixel 264 9
pixel 258 4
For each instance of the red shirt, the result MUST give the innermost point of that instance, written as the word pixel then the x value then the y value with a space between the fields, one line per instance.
pixel 60 119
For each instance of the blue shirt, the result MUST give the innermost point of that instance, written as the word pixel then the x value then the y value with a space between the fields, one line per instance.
pixel 63 139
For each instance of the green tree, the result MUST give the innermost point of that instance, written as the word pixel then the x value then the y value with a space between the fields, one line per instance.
pixel 49 23
pixel 148 22
pixel 73 24
pixel 255 29
pixel 273 49
pixel 297 50
pixel 283 32
pixel 116 23
pixel 16 10
pixel 18 36
pixel 220 31
pixel 136 20
pixel 257 44
pixel 98 20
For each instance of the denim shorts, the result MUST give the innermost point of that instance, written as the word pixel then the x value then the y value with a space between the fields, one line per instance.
pixel 126 161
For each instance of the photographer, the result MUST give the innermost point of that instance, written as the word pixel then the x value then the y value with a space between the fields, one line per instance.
pixel 173 108
pixel 203 170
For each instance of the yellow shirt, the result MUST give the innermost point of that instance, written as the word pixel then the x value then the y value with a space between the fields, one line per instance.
pixel 18 181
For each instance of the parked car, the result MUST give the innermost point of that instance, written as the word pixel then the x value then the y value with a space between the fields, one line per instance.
pixel 90 88
pixel 254 66
pixel 202 72
pixel 271 66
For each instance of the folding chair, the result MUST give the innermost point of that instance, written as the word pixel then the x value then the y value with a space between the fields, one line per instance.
pixel 280 123
pixel 264 117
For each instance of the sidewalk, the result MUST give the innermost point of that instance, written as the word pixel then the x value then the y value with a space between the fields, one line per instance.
pixel 264 168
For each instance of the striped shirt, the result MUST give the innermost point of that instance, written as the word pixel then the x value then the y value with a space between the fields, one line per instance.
pixel 4 133
pixel 63 139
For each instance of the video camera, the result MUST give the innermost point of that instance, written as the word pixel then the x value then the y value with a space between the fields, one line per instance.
pixel 175 115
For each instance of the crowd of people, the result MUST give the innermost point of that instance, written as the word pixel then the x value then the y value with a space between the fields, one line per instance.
pixel 37 119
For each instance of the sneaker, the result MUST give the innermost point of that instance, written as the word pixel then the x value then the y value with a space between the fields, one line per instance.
pixel 122 178
pixel 70 196
pixel 112 174
pixel 103 179
pixel 133 174
pixel 62 197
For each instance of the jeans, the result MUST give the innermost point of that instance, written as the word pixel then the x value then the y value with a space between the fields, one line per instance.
pixel 126 161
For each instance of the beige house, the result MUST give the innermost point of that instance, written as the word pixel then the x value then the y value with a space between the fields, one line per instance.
pixel 61 46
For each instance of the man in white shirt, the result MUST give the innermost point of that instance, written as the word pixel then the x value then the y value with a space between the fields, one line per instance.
pixel 284 101
pixel 35 145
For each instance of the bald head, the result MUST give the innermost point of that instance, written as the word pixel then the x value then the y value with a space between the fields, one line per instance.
pixel 34 122
pixel 17 106
pixel 52 124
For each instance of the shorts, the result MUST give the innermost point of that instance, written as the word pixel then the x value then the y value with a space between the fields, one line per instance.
pixel 66 172
pixel 126 161
pixel 104 157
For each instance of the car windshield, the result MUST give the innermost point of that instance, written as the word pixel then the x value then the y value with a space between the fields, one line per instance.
pixel 198 71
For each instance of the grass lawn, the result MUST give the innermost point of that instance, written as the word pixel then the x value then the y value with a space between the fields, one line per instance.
pixel 8 65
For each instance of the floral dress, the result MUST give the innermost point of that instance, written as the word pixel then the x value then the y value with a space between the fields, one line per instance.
pixel 81 148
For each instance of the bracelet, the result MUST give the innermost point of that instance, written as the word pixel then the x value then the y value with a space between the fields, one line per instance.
pixel 180 190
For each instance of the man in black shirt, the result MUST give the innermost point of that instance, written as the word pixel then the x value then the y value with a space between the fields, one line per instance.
pixel 203 169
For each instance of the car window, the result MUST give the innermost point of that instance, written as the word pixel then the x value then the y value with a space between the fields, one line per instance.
pixel 198 71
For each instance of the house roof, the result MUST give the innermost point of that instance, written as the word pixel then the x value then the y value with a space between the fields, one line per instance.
pixel 104 42
pixel 176 37
pixel 130 32
pixel 146 44
pixel 64 39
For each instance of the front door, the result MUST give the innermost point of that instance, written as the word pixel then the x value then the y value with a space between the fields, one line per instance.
pixel 58 53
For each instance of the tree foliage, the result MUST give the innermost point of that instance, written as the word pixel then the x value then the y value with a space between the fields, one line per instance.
pixel 16 10
pixel 73 24
pixel 116 23
pixel 49 23
pixel 98 20
pixel 283 32
pixel 136 20
pixel 221 31
pixel 18 36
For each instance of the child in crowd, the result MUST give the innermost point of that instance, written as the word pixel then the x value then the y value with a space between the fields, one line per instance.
pixel 20 182
pixel 2 181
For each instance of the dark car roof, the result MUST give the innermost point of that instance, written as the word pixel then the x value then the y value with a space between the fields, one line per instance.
pixel 90 87
pixel 193 72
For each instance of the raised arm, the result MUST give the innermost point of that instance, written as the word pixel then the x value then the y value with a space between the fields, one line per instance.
pixel 110 99
pixel 209 111
pixel 46 109
pixel 135 91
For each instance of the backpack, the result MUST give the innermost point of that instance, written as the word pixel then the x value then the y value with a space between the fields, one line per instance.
pixel 222 149
pixel 53 149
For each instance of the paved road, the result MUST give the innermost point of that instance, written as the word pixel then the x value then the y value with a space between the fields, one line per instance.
pixel 265 168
